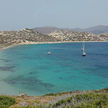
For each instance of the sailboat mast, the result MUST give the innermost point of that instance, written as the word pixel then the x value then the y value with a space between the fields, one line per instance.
pixel 83 46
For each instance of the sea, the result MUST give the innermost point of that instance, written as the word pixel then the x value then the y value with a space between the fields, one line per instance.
pixel 31 70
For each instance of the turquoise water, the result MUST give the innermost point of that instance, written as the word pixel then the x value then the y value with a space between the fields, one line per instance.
pixel 29 68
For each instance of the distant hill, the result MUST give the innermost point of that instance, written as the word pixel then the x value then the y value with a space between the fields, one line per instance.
pixel 96 29
pixel 45 30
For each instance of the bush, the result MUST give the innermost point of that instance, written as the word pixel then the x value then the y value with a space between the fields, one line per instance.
pixel 6 102
pixel 88 100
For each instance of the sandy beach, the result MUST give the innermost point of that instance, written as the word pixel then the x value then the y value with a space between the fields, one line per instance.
pixel 28 42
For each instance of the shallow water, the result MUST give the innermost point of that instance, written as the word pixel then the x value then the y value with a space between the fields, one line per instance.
pixel 29 68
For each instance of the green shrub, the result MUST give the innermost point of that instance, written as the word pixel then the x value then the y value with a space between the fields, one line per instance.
pixel 88 100
pixel 6 101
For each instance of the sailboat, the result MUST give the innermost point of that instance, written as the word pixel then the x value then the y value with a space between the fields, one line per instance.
pixel 49 53
pixel 83 49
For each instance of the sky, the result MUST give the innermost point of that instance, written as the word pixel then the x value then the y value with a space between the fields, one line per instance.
pixel 19 14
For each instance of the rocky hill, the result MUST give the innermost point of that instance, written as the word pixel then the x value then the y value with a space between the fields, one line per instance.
pixel 8 38
pixel 65 35
pixel 46 30
pixel 99 29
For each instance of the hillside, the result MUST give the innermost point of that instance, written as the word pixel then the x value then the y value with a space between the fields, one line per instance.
pixel 76 99
pixel 65 35
pixel 45 30
pixel 8 38
pixel 96 29
pixel 27 36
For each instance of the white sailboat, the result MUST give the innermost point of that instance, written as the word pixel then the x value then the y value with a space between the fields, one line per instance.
pixel 49 53
pixel 83 49
pixel 84 53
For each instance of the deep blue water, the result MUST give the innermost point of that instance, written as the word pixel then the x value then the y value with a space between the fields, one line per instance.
pixel 29 68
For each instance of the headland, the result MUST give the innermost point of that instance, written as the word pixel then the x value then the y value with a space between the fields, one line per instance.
pixel 29 36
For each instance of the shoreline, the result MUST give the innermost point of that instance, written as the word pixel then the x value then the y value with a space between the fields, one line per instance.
pixel 57 99
pixel 58 42
pixel 62 92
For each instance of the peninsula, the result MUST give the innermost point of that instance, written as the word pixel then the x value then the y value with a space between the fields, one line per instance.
pixel 29 36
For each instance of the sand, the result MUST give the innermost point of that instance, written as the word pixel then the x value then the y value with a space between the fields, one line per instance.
pixel 28 42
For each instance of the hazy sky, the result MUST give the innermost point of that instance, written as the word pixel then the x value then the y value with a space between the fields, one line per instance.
pixel 18 14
